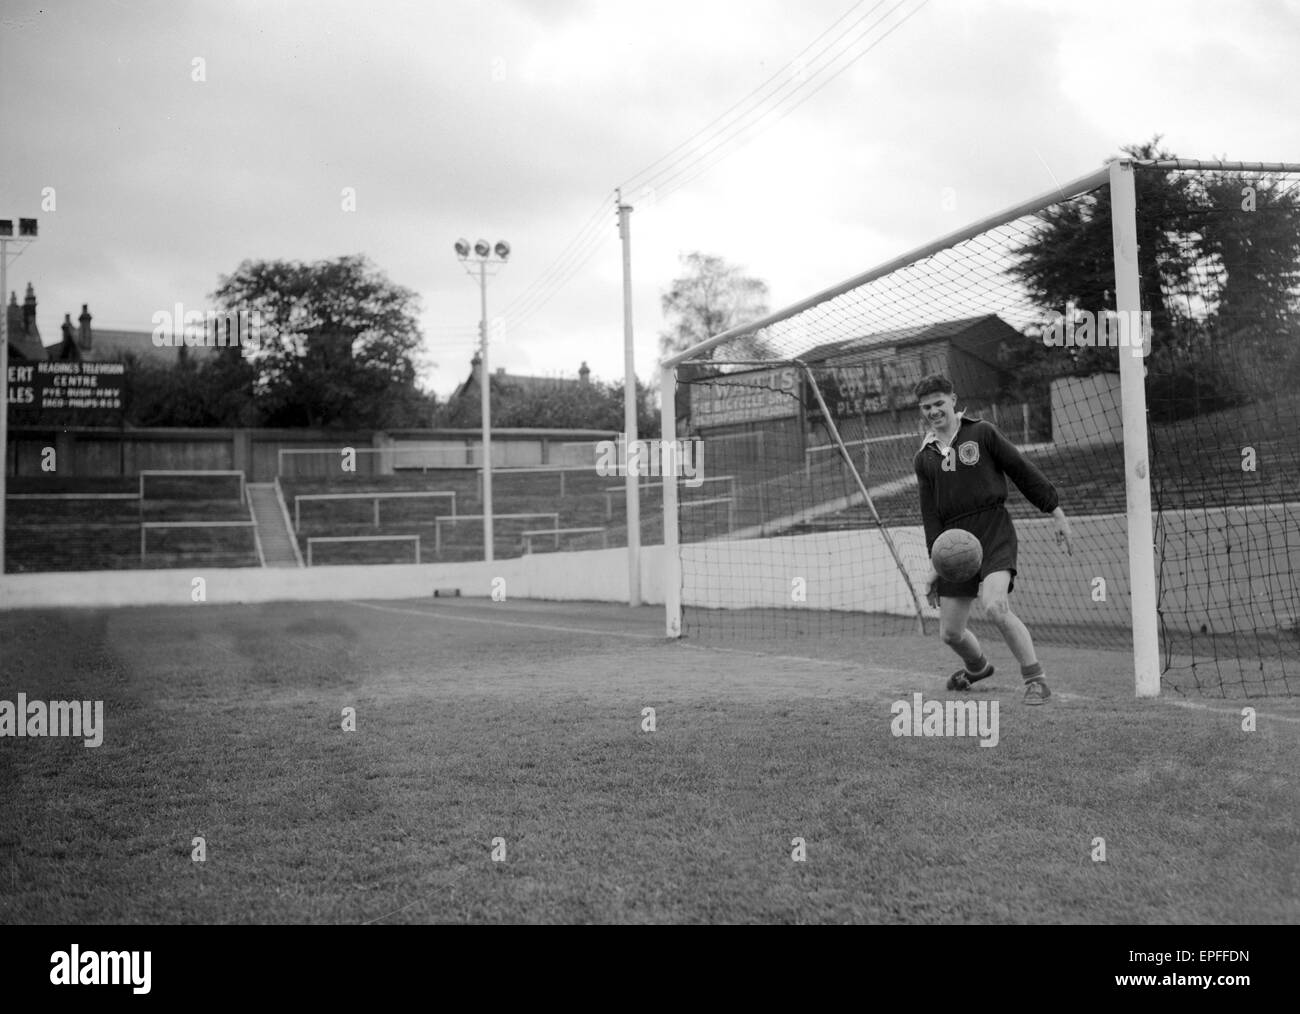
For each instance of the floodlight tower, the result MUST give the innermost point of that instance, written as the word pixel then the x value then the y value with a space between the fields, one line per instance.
pixel 26 234
pixel 481 257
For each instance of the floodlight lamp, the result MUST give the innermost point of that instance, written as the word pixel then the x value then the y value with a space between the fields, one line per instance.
pixel 503 249
pixel 462 248
pixel 27 227
pixel 6 227
pixel 482 249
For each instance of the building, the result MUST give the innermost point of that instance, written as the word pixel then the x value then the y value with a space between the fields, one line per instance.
pixel 866 383
pixel 24 338
pixel 501 380
pixel 81 343
pixel 872 378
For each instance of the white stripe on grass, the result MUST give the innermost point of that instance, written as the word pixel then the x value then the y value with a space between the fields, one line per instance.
pixel 461 618
pixel 831 663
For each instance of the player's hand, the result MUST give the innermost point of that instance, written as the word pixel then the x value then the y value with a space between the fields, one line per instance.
pixel 932 590
pixel 1063 532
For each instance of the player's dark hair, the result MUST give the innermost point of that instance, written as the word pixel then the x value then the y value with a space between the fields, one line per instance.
pixel 935 383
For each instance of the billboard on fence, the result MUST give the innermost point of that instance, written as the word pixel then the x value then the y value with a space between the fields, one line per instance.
pixel 745 397
pixel 48 386
pixel 880 382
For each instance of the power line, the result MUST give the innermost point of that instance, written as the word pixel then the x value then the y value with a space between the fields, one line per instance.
pixel 574 256
pixel 571 250
pixel 516 321
pixel 683 175
pixel 722 134
pixel 723 117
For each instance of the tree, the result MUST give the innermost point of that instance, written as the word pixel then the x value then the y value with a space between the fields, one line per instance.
pixel 1070 256
pixel 1255 247
pixel 1214 279
pixel 215 391
pixel 710 298
pixel 336 344
pixel 593 405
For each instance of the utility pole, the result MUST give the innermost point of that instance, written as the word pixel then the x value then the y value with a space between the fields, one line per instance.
pixel 485 404
pixel 483 257
pixel 26 233
pixel 629 416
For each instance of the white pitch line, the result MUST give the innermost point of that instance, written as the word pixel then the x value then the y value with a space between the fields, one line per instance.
pixel 509 623
pixel 834 663
pixel 1196 706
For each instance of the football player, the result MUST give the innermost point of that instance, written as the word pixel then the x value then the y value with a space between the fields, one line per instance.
pixel 962 470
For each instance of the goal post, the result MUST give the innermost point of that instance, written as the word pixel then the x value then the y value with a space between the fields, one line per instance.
pixel 862 487
pixel 1133 403
pixel 672 535
pixel 1134 334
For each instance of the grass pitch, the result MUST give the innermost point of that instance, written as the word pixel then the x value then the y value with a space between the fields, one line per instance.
pixel 523 722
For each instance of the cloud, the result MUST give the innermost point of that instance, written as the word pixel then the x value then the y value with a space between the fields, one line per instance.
pixel 517 120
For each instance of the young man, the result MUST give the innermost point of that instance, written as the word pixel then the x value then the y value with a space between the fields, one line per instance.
pixel 962 469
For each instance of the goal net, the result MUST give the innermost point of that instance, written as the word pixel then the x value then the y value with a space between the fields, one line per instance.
pixel 1049 327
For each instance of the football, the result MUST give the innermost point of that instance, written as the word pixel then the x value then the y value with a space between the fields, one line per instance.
pixel 956 555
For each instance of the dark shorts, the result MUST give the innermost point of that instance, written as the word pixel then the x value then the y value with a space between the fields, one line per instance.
pixel 997 537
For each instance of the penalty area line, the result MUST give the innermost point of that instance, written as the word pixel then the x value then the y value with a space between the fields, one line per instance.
pixel 1197 706
pixel 555 627
pixel 837 663
pixel 663 638
pixel 829 663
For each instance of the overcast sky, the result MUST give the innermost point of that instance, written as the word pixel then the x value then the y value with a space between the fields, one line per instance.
pixel 517 121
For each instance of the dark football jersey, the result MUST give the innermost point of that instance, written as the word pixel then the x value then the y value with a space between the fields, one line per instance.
pixel 971 476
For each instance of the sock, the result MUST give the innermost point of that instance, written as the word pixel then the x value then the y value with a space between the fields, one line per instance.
pixel 968 649
pixel 979 669
pixel 1033 673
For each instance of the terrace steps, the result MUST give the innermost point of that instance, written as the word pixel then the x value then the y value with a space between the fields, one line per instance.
pixel 272 526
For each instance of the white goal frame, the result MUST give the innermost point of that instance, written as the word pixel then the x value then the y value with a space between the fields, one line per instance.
pixel 1119 175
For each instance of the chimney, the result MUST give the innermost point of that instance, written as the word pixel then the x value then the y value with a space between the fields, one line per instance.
pixel 584 374
pixel 29 310
pixel 68 348
pixel 15 316
pixel 475 365
pixel 501 371
pixel 85 337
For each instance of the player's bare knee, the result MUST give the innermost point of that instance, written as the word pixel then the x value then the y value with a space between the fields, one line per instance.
pixel 951 635
pixel 998 610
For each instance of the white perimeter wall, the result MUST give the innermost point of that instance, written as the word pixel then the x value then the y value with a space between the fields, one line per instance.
pixel 856 571
pixel 841 570
pixel 1239 564
pixel 597 575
